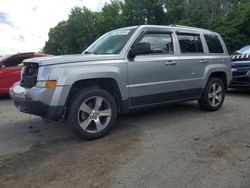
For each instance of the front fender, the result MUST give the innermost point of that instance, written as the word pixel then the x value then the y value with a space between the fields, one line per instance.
pixel 67 76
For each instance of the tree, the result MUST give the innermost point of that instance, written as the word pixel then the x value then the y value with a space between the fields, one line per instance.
pixel 73 35
pixel 142 12
pixel 175 10
pixel 230 18
pixel 234 27
pixel 110 17
pixel 56 43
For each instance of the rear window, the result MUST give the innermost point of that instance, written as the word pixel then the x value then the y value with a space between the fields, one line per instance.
pixel 190 43
pixel 214 44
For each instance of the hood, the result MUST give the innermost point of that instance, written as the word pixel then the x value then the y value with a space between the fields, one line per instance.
pixel 84 58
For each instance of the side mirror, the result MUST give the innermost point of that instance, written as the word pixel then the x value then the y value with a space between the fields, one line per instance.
pixel 140 48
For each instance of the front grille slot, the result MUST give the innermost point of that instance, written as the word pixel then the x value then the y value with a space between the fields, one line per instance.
pixel 240 73
pixel 240 80
pixel 29 76
pixel 241 58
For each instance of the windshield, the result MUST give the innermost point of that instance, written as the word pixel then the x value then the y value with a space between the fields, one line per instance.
pixel 244 50
pixel 111 43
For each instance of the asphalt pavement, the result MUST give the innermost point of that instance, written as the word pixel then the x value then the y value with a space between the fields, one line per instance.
pixel 170 146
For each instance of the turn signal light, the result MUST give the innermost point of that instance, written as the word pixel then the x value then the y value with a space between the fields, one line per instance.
pixel 50 83
pixel 47 83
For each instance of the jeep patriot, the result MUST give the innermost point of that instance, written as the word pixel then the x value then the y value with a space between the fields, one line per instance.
pixel 126 69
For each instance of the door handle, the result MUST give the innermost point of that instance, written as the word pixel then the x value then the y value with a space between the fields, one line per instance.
pixel 170 63
pixel 203 61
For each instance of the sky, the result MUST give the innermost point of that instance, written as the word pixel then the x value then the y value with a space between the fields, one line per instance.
pixel 24 24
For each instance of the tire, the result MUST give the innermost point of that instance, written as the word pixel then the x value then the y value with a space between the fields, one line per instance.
pixel 213 96
pixel 92 113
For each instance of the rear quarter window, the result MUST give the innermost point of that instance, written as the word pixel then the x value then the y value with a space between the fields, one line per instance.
pixel 214 44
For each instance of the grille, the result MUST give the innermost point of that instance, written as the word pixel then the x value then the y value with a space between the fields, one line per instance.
pixel 29 75
pixel 241 73
pixel 241 57
pixel 240 80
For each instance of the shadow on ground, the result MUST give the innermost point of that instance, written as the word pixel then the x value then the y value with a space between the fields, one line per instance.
pixel 239 92
pixel 5 97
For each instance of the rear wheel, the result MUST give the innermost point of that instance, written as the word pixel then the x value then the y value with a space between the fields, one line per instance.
pixel 92 113
pixel 213 96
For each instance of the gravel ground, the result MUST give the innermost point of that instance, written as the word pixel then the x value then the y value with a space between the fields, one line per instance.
pixel 171 146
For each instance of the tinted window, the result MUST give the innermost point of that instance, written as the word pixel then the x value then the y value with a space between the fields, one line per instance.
pixel 190 43
pixel 161 43
pixel 214 44
pixel 13 62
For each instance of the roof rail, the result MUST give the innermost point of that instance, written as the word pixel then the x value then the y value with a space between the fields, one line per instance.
pixel 187 27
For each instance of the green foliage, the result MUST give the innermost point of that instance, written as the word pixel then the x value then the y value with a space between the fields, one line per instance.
pixel 142 12
pixel 56 43
pixel 234 26
pixel 74 35
pixel 231 18
pixel 110 18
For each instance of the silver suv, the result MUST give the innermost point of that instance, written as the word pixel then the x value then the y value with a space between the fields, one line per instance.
pixel 126 69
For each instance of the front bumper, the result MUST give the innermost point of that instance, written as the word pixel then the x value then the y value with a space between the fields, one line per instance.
pixel 25 102
pixel 239 80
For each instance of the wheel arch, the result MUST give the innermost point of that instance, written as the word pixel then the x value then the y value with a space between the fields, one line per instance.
pixel 220 71
pixel 221 75
pixel 108 84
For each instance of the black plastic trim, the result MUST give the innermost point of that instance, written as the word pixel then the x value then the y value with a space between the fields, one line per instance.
pixel 166 97
pixel 39 109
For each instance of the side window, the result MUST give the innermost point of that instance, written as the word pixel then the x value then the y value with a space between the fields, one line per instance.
pixel 214 44
pixel 190 43
pixel 13 62
pixel 161 43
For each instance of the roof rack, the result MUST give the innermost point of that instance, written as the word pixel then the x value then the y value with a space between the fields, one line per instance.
pixel 187 27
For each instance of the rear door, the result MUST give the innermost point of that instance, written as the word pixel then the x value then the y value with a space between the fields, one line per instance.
pixel 192 61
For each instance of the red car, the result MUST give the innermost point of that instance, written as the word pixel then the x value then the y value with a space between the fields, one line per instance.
pixel 10 69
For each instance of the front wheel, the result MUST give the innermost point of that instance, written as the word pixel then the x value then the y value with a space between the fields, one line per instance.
pixel 92 113
pixel 213 96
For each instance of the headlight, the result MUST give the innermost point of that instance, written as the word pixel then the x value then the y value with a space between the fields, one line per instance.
pixel 46 84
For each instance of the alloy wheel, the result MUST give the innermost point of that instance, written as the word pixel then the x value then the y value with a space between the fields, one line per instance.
pixel 215 94
pixel 94 114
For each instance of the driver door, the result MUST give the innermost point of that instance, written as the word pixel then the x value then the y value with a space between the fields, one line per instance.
pixel 150 76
